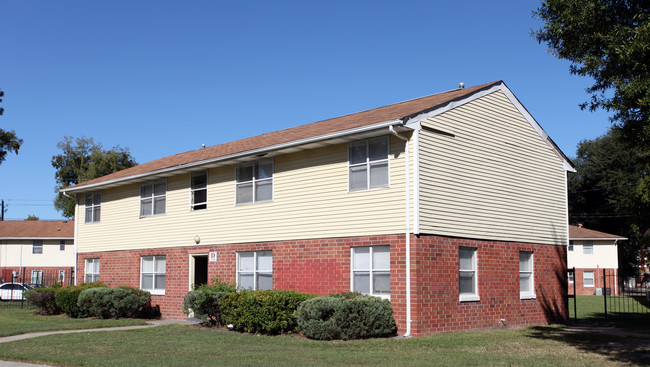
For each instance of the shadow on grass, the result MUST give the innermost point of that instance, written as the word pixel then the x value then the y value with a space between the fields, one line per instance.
pixel 616 346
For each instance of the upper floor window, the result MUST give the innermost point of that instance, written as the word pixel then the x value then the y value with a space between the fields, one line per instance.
pixel 61 245
pixel 588 247
pixel 467 274
pixel 93 207
pixel 153 198
pixel 37 247
pixel 255 181
pixel 371 270
pixel 570 245
pixel 368 164
pixel 255 270
pixel 199 188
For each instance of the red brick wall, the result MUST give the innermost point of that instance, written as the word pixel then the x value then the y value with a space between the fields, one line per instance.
pixel 599 281
pixel 322 266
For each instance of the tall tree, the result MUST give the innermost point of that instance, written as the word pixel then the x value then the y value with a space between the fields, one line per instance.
pixel 81 160
pixel 9 142
pixel 603 193
pixel 32 217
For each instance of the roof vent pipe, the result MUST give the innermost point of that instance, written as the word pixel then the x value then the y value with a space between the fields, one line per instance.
pixel 461 85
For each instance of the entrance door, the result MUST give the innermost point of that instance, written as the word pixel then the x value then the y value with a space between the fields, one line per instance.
pixel 199 274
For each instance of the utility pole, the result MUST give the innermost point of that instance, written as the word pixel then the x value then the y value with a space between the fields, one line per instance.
pixel 2 211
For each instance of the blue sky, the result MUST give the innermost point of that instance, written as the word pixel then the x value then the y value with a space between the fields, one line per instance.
pixel 164 77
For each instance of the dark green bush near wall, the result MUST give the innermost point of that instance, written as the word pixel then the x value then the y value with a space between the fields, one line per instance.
pixel 121 302
pixel 43 299
pixel 265 312
pixel 205 301
pixel 67 297
pixel 346 316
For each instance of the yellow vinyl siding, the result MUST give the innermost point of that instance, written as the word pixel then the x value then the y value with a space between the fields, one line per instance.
pixel 495 179
pixel 310 200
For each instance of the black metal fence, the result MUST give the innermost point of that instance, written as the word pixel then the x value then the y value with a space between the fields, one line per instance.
pixel 631 302
pixel 16 282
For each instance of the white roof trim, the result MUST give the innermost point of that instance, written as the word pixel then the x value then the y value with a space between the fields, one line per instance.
pixel 413 122
pixel 598 238
pixel 240 154
pixel 35 238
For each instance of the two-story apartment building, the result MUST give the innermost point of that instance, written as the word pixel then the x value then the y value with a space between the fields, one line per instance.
pixel 453 206
pixel 36 251
pixel 594 255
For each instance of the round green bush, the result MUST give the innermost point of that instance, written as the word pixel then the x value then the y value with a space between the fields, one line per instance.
pixel 67 297
pixel 120 302
pixel 43 299
pixel 346 316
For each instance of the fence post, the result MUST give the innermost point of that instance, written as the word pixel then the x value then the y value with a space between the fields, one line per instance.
pixel 575 297
pixel 22 299
pixel 605 290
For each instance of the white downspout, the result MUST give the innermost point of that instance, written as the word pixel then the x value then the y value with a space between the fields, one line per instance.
pixel 74 241
pixel 408 231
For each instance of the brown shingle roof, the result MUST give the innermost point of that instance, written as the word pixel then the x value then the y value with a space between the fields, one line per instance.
pixel 576 233
pixel 313 130
pixel 63 229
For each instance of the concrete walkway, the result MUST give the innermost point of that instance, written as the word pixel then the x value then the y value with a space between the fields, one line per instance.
pixel 154 323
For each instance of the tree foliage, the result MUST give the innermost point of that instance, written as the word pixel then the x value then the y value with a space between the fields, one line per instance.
pixel 81 160
pixel 603 192
pixel 32 217
pixel 9 142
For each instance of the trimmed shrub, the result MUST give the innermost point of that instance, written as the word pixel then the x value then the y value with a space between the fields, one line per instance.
pixel 67 297
pixel 43 299
pixel 346 316
pixel 265 312
pixel 121 302
pixel 205 301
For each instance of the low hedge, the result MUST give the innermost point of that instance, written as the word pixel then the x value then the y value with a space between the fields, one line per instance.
pixel 264 312
pixel 120 302
pixel 44 300
pixel 67 297
pixel 346 316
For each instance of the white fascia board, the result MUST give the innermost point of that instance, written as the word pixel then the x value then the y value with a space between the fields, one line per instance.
pixel 415 120
pixel 597 239
pixel 290 144
pixel 36 238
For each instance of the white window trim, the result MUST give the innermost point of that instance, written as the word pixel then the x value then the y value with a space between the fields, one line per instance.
pixel 570 247
pixel 467 297
pixel 153 197
pixel 61 276
pixel 587 244
pixel 92 207
pixel 568 276
pixel 93 270
pixel 35 246
pixel 154 291
pixel 192 190
pixel 593 280
pixel 372 270
pixel 39 276
pixel 255 271
pixel 528 295
pixel 367 164
pixel 254 181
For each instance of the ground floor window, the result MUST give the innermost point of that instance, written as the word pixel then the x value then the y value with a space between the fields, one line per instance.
pixel 37 278
pixel 255 270
pixel 61 277
pixel 570 276
pixel 467 278
pixel 526 280
pixel 153 274
pixel 91 271
pixel 371 270
pixel 588 278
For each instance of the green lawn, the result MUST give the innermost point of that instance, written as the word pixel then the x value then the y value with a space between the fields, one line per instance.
pixel 621 311
pixel 182 345
pixel 17 321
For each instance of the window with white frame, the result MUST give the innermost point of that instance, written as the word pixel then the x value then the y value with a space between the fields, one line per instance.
pixel 468 289
pixel 588 247
pixel 570 246
pixel 91 271
pixel 61 245
pixel 37 278
pixel 153 276
pixel 153 198
pixel 588 278
pixel 199 189
pixel 61 277
pixel 93 207
pixel 371 270
pixel 571 276
pixel 255 181
pixel 368 164
pixel 37 247
pixel 255 270
pixel 526 279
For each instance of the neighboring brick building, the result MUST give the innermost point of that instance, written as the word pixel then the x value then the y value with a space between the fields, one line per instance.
pixel 36 251
pixel 590 252
pixel 453 206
